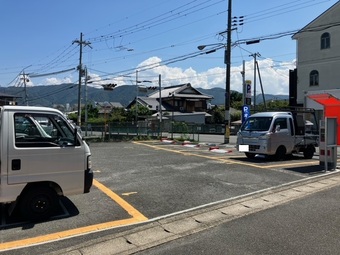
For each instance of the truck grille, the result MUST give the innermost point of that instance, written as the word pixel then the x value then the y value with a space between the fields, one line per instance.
pixel 254 147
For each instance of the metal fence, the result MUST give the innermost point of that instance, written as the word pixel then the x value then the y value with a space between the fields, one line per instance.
pixel 178 130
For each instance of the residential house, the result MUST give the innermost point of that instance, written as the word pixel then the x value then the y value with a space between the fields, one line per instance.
pixel 179 103
pixel 105 108
pixel 318 58
pixel 316 82
pixel 6 99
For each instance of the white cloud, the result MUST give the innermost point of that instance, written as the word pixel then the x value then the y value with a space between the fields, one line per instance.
pixel 57 81
pixel 274 76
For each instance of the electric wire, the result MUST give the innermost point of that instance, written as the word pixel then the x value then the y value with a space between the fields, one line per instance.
pixel 182 11
pixel 279 10
pixel 156 21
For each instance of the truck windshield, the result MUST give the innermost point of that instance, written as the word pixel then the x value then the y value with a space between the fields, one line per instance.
pixel 257 124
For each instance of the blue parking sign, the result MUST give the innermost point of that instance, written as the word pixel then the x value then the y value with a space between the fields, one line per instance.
pixel 245 112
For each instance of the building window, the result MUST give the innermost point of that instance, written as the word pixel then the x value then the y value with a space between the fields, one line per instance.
pixel 325 41
pixel 314 78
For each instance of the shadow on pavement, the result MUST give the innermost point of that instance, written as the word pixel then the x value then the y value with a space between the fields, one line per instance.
pixel 65 209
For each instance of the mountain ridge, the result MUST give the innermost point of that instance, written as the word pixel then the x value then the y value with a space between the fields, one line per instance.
pixel 68 94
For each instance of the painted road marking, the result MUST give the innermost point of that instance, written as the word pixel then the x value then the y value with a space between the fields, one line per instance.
pixel 136 217
pixel 129 193
pixel 224 160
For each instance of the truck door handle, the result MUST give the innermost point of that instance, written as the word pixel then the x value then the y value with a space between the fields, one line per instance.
pixel 16 164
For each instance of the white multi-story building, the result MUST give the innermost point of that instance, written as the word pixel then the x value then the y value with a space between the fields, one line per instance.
pixel 318 58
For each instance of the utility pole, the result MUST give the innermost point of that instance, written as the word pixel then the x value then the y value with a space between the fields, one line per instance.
pixel 227 82
pixel 136 107
pixel 25 86
pixel 255 61
pixel 244 89
pixel 25 80
pixel 86 110
pixel 160 103
pixel 80 69
pixel 259 74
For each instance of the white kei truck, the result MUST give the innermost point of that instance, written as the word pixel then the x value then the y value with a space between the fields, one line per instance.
pixel 280 133
pixel 43 157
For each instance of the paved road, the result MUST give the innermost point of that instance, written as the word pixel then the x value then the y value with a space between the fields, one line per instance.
pixel 300 219
pixel 158 173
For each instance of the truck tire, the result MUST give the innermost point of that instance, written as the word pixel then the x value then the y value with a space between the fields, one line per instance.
pixel 280 153
pixel 38 203
pixel 308 153
pixel 250 155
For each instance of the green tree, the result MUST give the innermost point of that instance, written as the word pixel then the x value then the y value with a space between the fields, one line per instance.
pixel 73 117
pixel 142 111
pixel 273 105
pixel 217 113
pixel 92 112
pixel 235 96
pixel 235 116
pixel 237 105
pixel 118 115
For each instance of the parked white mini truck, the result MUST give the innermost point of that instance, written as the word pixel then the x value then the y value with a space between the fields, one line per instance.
pixel 42 158
pixel 278 134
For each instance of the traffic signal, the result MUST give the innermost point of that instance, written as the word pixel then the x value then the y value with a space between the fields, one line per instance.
pixel 152 88
pixel 109 86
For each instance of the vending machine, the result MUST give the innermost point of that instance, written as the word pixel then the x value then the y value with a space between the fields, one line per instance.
pixel 328 143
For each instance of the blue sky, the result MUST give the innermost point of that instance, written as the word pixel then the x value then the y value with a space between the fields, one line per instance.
pixel 37 37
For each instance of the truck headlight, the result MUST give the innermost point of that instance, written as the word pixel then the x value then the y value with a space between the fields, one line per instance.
pixel 89 162
pixel 265 136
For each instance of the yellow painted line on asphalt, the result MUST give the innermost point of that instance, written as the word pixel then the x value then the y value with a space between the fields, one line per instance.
pixel 125 205
pixel 224 160
pixel 129 193
pixel 136 217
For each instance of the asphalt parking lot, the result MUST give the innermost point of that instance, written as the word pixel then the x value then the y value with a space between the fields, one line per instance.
pixel 140 182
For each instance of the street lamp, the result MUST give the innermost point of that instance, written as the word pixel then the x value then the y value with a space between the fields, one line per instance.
pixel 202 47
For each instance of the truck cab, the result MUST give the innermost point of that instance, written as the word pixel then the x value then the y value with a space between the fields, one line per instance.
pixel 42 158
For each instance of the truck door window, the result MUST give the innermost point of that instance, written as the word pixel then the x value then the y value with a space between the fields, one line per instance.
pixel 42 130
pixel 282 122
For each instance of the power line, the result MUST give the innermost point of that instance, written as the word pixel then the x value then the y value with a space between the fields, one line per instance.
pixel 178 13
pixel 48 74
pixel 62 57
pixel 279 10
pixel 160 19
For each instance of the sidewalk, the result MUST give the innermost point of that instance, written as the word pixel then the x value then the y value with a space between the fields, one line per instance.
pixel 306 226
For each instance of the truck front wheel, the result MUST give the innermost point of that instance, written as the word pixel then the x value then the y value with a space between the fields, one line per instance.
pixel 250 155
pixel 308 153
pixel 38 203
pixel 280 153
